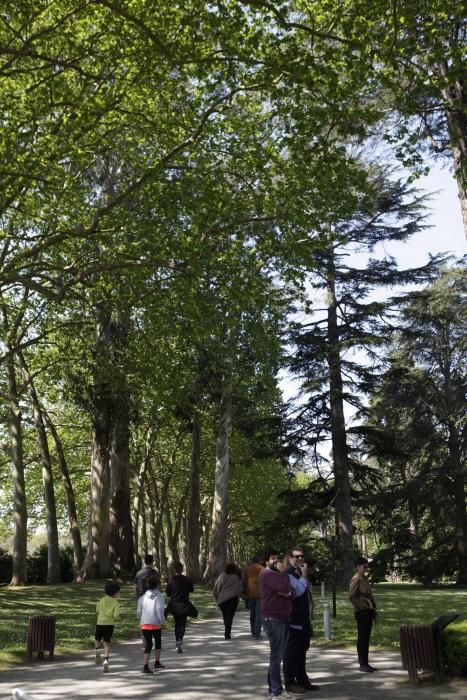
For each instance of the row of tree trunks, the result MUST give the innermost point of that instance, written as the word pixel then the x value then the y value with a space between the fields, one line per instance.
pixel 53 550
pixel 75 531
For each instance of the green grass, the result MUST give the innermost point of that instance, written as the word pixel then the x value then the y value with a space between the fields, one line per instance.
pixel 74 605
pixel 397 604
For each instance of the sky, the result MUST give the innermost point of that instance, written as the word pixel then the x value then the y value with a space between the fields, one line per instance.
pixel 447 232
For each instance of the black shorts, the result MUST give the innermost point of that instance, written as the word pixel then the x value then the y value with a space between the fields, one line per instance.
pixel 104 632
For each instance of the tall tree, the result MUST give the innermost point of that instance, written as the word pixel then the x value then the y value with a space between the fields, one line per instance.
pixel 383 210
pixel 417 432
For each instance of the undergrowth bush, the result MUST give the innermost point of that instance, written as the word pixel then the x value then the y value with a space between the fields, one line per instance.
pixel 454 646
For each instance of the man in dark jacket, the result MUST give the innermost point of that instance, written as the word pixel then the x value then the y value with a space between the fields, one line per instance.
pixel 275 592
pixel 143 574
pixel 298 642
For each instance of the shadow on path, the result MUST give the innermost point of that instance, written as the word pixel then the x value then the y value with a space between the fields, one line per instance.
pixel 213 667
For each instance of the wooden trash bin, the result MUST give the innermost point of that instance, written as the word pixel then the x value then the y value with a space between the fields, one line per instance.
pixel 421 647
pixel 41 636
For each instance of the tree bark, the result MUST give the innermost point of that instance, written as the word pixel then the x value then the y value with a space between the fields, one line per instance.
pixel 194 507
pixel 455 100
pixel 53 549
pixel 120 526
pixel 20 514
pixel 342 497
pixel 97 558
pixel 75 532
pixel 460 509
pixel 218 541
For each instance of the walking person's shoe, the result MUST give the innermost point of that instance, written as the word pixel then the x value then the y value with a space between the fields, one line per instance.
pixel 158 666
pixel 146 669
pixel 295 688
pixel 372 668
pixel 179 647
pixel 98 656
pixel 308 685
pixel 366 669
pixel 106 666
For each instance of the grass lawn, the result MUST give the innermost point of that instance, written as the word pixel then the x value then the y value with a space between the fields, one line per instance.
pixel 397 604
pixel 74 606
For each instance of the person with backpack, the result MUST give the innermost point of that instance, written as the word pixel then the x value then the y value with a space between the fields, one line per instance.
pixel 143 574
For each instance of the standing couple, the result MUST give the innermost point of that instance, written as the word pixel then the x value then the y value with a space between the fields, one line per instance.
pixel 286 609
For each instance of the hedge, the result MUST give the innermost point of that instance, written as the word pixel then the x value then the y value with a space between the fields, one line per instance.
pixel 454 648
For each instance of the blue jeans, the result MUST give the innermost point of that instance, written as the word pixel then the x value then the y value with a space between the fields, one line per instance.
pixel 255 616
pixel 278 631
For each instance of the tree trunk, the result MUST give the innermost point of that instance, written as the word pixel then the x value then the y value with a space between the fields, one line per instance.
pixel 97 558
pixel 194 507
pixel 170 535
pixel 455 101
pixel 53 549
pixel 20 514
pixel 460 509
pixel 75 532
pixel 155 530
pixel 218 541
pixel 342 497
pixel 120 526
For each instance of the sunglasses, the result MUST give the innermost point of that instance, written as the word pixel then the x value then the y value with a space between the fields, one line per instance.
pixel 298 556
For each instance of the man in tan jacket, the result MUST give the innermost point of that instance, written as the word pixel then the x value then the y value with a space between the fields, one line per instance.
pixel 365 611
pixel 251 593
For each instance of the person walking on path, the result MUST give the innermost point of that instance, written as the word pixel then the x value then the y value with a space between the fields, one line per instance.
pixel 276 606
pixel 108 612
pixel 143 574
pixel 251 592
pixel 227 590
pixel 365 611
pixel 298 642
pixel 151 613
pixel 179 589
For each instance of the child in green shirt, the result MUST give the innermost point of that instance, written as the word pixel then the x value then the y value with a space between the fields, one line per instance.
pixel 108 611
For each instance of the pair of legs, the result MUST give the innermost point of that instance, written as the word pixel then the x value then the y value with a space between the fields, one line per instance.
pixel 148 637
pixel 255 617
pixel 180 626
pixel 277 631
pixel 228 608
pixel 298 644
pixel 364 620
pixel 103 635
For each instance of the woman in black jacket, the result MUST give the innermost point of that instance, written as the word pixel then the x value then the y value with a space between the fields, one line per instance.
pixel 179 589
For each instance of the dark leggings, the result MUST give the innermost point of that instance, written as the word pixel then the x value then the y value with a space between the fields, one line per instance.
pixel 148 635
pixel 180 624
pixel 228 608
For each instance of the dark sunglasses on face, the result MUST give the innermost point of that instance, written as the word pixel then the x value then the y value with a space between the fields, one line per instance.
pixel 298 556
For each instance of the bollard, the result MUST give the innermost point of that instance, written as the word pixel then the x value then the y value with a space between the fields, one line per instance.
pixel 323 589
pixel 327 621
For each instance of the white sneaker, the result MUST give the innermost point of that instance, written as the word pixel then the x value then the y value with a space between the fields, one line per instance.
pixel 106 666
pixel 98 657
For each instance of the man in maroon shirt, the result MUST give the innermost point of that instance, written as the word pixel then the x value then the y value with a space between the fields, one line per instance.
pixel 275 592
